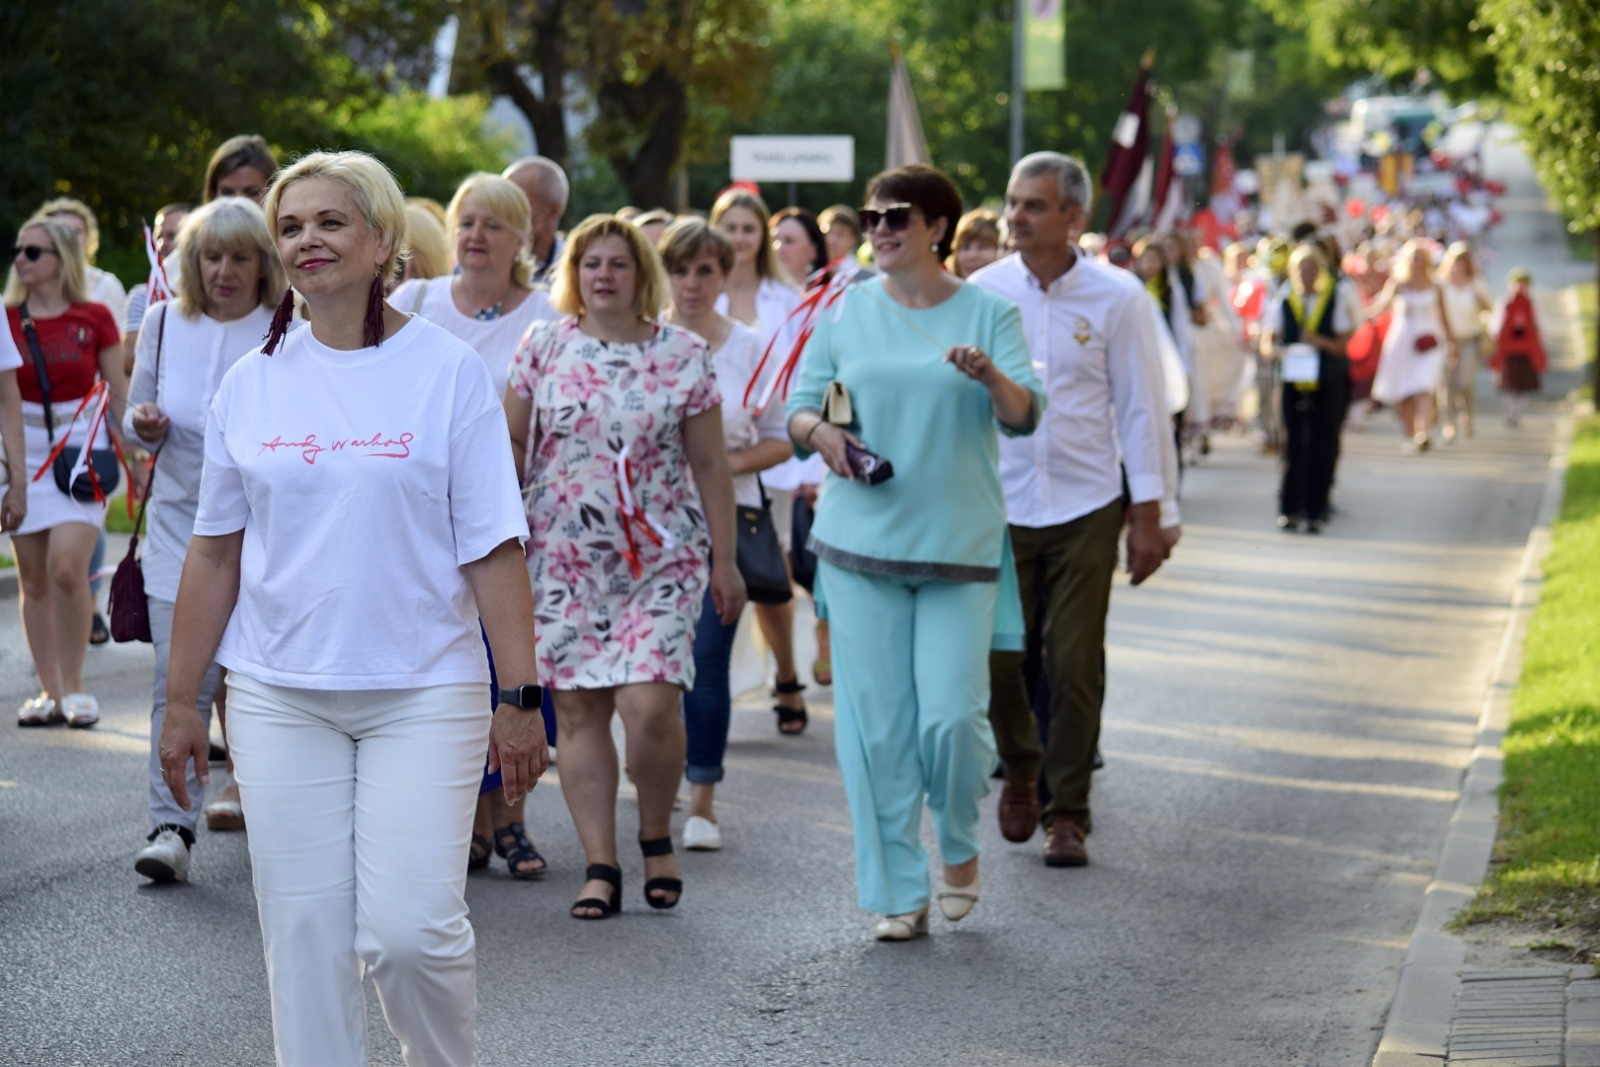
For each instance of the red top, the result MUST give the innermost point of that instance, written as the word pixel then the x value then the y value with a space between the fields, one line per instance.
pixel 1519 335
pixel 71 343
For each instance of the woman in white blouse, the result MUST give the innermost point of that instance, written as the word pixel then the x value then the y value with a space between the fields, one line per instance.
pixel 230 282
pixel 1466 305
pixel 489 305
pixel 698 258
pixel 757 296
pixel 358 515
pixel 492 301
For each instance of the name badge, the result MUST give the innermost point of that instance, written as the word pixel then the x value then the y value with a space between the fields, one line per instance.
pixel 1301 364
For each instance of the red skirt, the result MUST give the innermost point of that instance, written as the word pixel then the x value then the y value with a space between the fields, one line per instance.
pixel 1518 376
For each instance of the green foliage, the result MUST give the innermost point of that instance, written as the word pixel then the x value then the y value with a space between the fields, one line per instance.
pixel 1548 851
pixel 1549 62
pixel 830 71
pixel 1396 38
pixel 122 104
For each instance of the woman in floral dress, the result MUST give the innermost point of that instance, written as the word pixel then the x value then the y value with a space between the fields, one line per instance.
pixel 615 419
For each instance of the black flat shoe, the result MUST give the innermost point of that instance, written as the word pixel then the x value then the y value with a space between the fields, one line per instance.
pixel 478 853
pixel 511 844
pixel 99 633
pixel 660 846
pixel 600 872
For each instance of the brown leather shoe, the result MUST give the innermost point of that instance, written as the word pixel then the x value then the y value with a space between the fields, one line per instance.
pixel 1063 844
pixel 1019 808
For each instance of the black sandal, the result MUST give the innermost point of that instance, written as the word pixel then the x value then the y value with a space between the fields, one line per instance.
pixel 601 872
pixel 786 716
pixel 661 846
pixel 478 853
pixel 516 834
pixel 99 634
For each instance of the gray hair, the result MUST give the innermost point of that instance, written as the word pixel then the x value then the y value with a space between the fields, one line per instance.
pixel 1072 179
pixel 553 185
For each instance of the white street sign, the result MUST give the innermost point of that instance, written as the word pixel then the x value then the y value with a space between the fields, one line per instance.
pixel 794 159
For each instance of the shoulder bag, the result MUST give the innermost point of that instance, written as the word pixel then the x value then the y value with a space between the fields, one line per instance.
pixel 130 607
pixel 760 554
pixel 101 474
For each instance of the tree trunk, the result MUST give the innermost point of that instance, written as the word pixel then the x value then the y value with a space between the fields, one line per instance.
pixel 546 113
pixel 663 100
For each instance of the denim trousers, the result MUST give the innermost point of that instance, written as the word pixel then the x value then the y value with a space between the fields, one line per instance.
pixel 708 707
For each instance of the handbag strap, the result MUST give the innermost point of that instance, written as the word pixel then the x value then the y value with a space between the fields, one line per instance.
pixel 39 369
pixel 150 486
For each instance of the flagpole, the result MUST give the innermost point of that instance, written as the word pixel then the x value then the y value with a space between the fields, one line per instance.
pixel 1017 31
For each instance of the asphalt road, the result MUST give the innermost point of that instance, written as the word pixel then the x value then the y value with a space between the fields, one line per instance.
pixel 1288 719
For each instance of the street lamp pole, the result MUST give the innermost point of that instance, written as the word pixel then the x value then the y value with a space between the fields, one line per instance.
pixel 1017 29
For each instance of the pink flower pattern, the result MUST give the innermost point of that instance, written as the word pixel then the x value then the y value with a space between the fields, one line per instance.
pixel 598 626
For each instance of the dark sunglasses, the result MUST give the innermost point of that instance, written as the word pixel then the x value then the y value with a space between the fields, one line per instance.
pixel 33 252
pixel 898 216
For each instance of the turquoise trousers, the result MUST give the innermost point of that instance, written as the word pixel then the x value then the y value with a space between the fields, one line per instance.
pixel 911 720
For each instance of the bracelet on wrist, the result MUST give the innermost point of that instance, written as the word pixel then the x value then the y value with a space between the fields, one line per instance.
pixel 811 433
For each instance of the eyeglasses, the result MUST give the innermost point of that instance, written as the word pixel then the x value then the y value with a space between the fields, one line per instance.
pixel 32 252
pixel 898 216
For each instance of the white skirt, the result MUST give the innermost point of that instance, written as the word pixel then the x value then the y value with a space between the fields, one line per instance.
pixel 48 506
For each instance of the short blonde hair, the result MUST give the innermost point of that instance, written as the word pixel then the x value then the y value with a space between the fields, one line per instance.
pixel 74 268
pixel 1309 250
pixel 232 224
pixel 649 295
pixel 688 239
pixel 66 205
pixel 376 193
pixel 1459 250
pixel 750 202
pixel 506 202
pixel 427 243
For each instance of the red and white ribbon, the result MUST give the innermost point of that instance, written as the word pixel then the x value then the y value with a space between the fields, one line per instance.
pixel 825 289
pixel 157 288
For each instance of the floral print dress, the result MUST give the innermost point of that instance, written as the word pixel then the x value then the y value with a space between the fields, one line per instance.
pixel 616 597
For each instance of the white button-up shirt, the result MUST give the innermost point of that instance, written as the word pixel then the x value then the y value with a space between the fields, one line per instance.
pixel 1095 346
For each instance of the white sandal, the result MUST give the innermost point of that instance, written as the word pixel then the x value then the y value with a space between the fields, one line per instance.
pixel 902 927
pixel 38 711
pixel 956 901
pixel 224 815
pixel 81 709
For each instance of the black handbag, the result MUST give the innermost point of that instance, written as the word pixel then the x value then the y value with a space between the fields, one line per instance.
pixel 761 564
pixel 106 472
pixel 802 558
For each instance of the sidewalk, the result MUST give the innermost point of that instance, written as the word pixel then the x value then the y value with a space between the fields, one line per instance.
pixel 1527 1018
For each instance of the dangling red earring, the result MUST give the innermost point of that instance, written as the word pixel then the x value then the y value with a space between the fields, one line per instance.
pixel 374 332
pixel 280 323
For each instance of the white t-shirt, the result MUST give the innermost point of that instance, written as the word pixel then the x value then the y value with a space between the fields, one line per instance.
pixel 363 481
pixel 1344 312
pixel 10 354
pixel 735 364
pixel 495 340
pixel 105 288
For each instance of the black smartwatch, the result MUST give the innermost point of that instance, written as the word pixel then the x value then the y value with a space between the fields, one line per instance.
pixel 526 697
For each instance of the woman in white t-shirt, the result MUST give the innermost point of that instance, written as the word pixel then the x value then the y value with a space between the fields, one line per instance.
pixel 1466 305
pixel 757 296
pixel 698 258
pixel 230 283
pixel 358 515
pixel 491 303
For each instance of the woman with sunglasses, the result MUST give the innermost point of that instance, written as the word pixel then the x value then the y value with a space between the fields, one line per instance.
pixel 56 327
pixel 909 572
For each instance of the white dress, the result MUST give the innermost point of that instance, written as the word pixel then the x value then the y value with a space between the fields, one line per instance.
pixel 1404 369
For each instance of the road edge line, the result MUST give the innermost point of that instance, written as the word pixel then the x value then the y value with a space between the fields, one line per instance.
pixel 1417 1029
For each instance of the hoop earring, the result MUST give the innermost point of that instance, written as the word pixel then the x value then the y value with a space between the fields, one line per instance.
pixel 373 334
pixel 280 323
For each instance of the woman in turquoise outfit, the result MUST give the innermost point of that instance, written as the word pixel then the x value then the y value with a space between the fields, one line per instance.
pixel 909 569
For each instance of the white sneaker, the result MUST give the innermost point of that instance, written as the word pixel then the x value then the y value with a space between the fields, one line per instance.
pixel 38 711
pixel 701 835
pixel 165 858
pixel 81 709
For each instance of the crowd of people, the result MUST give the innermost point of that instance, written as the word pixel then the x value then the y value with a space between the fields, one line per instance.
pixel 391 452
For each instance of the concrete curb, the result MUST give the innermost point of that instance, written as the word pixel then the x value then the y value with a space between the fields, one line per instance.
pixel 1417 1031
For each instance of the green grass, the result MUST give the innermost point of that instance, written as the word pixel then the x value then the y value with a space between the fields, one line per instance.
pixel 1547 859
pixel 1586 318
pixel 1581 246
pixel 117 520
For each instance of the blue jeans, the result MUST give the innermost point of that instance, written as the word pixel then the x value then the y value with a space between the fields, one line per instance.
pixel 97 561
pixel 708 707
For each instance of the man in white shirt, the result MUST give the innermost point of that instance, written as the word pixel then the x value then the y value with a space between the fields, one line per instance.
pixel 1095 347
pixel 545 184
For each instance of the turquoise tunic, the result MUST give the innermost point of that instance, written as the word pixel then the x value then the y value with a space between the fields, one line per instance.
pixel 943 514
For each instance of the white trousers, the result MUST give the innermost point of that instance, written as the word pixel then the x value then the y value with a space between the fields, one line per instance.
pixel 360 807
